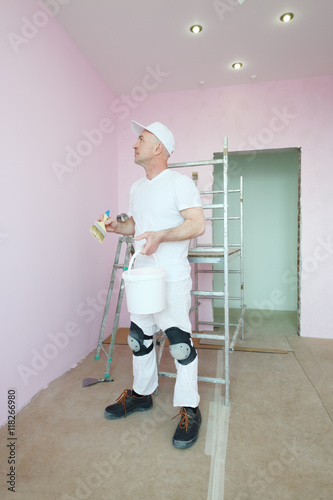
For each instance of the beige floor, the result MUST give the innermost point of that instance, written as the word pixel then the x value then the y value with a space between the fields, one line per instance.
pixel 277 432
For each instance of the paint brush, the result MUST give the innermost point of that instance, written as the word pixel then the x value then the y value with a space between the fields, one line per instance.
pixel 98 228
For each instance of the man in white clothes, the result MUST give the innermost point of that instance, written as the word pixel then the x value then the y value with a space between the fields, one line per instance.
pixel 165 213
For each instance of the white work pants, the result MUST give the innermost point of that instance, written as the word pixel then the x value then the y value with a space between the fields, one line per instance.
pixel 176 314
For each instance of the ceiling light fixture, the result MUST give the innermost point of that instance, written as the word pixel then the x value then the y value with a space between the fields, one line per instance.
pixel 237 65
pixel 285 18
pixel 196 29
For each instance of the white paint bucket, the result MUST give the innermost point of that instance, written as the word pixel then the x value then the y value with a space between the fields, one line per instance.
pixel 145 288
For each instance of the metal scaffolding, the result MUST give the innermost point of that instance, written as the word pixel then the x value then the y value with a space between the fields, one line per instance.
pixel 216 254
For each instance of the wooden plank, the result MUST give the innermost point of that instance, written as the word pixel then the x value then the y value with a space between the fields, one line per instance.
pixel 122 334
pixel 210 252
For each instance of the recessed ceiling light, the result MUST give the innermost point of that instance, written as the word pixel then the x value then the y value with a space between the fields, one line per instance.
pixel 196 28
pixel 285 18
pixel 237 65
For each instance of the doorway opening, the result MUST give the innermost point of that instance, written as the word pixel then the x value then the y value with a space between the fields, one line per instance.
pixel 272 227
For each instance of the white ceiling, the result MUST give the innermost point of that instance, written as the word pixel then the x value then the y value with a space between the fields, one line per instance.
pixel 130 41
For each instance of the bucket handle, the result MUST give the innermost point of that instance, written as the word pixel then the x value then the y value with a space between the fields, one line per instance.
pixel 134 257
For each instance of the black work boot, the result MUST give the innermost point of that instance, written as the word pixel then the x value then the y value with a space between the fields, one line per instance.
pixel 126 404
pixel 187 431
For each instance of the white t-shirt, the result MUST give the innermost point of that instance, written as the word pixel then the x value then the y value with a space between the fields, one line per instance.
pixel 155 205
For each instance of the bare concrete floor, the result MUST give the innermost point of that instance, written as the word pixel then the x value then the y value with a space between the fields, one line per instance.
pixel 277 432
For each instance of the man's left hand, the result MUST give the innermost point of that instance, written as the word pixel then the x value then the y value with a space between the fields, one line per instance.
pixel 153 238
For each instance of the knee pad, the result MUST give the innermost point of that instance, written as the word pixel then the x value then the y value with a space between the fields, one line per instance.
pixel 180 345
pixel 135 341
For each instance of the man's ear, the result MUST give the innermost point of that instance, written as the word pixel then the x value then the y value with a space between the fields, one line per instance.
pixel 159 148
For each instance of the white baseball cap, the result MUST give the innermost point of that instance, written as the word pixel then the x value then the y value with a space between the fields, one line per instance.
pixel 162 133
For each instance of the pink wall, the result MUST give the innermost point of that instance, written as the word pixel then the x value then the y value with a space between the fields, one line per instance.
pixel 53 272
pixel 259 116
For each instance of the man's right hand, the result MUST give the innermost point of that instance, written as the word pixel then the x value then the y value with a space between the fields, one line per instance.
pixel 111 223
